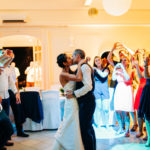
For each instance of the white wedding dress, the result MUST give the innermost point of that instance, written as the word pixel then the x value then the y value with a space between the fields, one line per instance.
pixel 68 136
pixel 123 98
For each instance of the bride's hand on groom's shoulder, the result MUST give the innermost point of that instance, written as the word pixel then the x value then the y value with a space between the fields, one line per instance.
pixel 69 94
pixel 84 60
pixel 88 59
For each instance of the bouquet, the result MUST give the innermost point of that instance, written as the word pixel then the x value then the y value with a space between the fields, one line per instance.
pixel 62 91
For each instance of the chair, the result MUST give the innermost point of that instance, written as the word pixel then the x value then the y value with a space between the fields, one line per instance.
pixel 30 125
pixel 51 109
pixel 37 89
pixel 55 87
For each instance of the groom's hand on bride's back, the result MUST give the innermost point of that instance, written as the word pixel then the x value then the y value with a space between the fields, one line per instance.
pixel 69 94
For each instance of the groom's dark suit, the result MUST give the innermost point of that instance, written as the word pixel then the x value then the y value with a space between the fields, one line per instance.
pixel 86 108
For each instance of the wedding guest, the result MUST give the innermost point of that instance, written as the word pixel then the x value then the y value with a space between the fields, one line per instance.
pixel 144 106
pixel 135 82
pixel 101 93
pixel 30 75
pixel 6 129
pixel 142 83
pixel 114 60
pixel 17 109
pixel 14 70
pixel 6 83
pixel 123 98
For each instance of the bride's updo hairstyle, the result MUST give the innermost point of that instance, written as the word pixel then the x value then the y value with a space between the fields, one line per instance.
pixel 61 59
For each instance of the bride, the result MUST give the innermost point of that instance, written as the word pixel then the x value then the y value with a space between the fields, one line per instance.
pixel 68 136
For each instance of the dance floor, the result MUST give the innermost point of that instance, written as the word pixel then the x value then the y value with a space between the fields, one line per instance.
pixel 107 133
pixel 43 140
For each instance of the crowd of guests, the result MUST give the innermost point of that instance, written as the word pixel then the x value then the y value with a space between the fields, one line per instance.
pixel 122 85
pixel 9 96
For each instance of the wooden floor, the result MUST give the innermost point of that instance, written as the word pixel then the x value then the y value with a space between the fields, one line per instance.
pixel 43 140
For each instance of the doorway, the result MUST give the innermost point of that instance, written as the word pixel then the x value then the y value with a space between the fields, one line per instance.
pixel 26 49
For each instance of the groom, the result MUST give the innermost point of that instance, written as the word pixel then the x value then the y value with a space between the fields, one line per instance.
pixel 86 101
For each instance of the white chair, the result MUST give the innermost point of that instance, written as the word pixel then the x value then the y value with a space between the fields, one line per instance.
pixel 30 125
pixel 36 89
pixel 55 87
pixel 51 109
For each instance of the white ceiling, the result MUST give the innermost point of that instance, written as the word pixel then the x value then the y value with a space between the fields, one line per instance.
pixel 62 4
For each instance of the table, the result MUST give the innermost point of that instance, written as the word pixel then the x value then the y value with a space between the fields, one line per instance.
pixel 32 105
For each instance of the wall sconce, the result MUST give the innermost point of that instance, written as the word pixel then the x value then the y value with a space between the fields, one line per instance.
pixel 92 12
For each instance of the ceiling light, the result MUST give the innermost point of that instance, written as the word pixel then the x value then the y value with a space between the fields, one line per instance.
pixel 88 2
pixel 116 7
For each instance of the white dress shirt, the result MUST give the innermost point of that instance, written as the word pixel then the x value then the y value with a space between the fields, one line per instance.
pixel 30 74
pixel 17 72
pixel 13 73
pixel 86 80
pixel 6 82
pixel 1 108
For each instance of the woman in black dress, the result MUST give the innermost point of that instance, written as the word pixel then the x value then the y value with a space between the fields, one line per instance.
pixel 144 107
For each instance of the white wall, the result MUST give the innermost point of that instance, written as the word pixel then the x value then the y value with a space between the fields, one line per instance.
pixel 63 4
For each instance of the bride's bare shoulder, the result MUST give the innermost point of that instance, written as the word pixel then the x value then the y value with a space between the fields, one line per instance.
pixel 64 74
pixel 62 79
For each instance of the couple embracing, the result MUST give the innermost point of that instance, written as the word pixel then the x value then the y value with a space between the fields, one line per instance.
pixel 76 131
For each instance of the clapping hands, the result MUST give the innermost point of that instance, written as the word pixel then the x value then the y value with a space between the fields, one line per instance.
pixel 135 62
pixel 117 45
pixel 10 53
pixel 147 61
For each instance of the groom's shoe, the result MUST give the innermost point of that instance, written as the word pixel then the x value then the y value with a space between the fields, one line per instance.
pixel 9 143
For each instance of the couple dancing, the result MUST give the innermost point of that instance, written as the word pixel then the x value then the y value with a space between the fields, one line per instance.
pixel 76 131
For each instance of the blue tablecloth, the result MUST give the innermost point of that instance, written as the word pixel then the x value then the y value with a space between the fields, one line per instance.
pixel 32 105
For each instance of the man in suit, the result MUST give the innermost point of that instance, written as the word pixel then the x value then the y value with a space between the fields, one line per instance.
pixel 86 101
